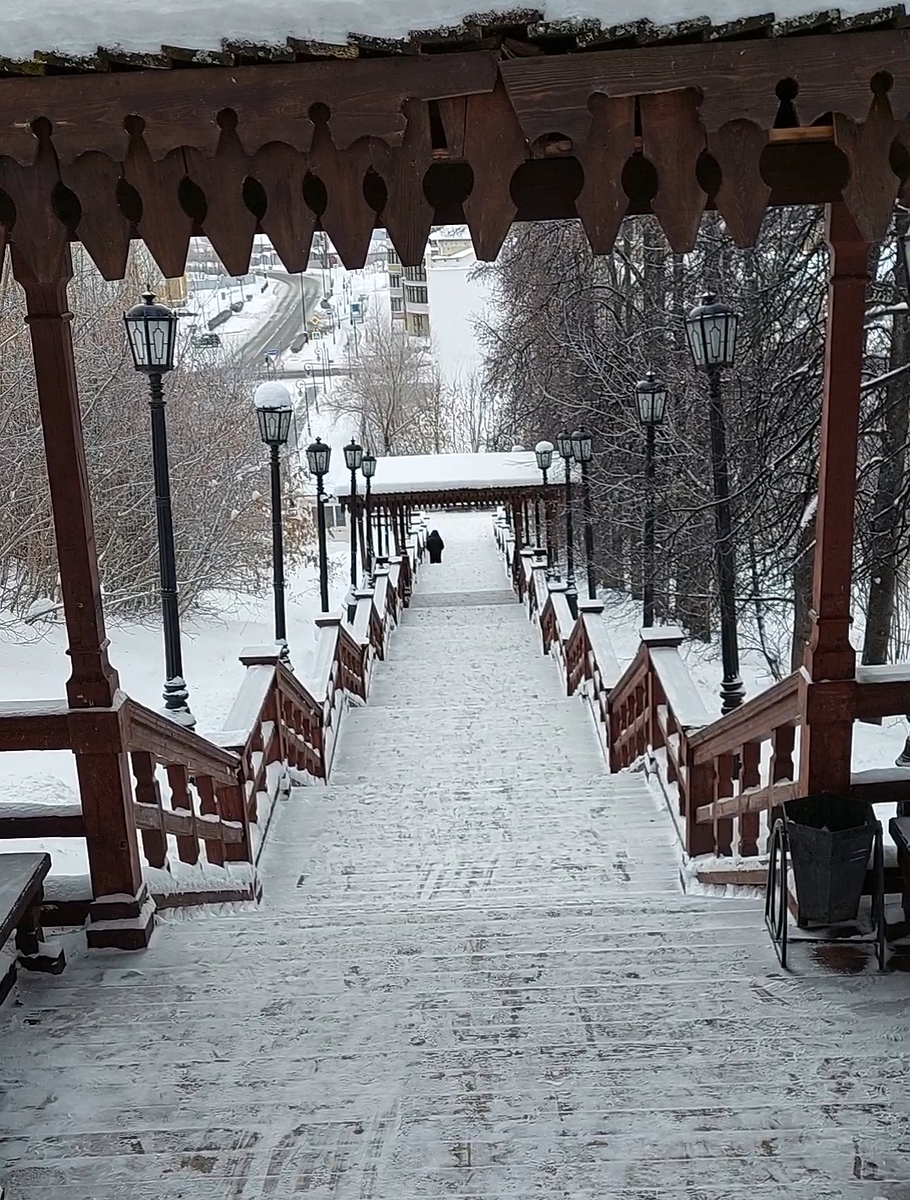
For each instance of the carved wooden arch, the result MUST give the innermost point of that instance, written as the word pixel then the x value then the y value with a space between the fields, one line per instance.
pixel 349 146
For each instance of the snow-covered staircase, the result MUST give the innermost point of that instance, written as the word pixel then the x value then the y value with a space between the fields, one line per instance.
pixel 473 975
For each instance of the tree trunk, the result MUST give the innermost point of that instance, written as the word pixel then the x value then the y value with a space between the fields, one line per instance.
pixel 887 516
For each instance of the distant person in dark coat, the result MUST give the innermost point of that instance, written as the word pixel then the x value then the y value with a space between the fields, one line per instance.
pixel 435 546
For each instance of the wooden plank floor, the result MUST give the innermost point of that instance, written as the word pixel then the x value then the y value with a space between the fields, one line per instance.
pixel 472 975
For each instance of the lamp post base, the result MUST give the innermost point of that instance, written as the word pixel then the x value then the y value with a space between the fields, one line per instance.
pixel 284 654
pixel 572 600
pixel 732 694
pixel 177 703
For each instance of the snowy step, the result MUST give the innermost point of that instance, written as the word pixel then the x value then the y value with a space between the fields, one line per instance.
pixel 472 975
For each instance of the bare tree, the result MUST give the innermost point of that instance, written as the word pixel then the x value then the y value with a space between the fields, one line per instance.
pixel 474 414
pixel 218 468
pixel 395 394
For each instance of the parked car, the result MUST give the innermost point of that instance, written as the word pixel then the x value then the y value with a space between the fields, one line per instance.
pixel 237 306
pixel 206 339
pixel 299 342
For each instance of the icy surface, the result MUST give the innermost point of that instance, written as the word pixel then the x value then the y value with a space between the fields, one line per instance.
pixel 473 975
pixel 78 28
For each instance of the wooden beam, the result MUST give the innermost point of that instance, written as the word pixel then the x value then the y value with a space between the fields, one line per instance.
pixel 101 761
pixel 827 735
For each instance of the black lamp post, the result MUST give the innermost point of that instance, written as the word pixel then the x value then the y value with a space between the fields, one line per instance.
pixel 152 332
pixel 711 333
pixel 583 451
pixel 368 466
pixel 544 454
pixel 274 410
pixel 353 457
pixel 318 456
pixel 566 450
pixel 651 404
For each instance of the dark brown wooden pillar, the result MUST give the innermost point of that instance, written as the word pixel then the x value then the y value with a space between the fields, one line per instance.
pixel 828 694
pixel 395 514
pixel 120 900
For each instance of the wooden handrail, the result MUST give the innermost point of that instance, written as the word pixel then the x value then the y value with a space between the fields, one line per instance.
pixel 752 721
pixel 155 734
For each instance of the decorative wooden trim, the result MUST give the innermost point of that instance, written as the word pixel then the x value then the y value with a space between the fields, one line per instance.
pixel 272 103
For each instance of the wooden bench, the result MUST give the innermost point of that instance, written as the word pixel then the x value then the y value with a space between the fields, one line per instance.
pixel 21 894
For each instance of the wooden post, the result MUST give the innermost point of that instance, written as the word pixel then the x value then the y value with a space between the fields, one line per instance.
pixel 121 903
pixel 826 740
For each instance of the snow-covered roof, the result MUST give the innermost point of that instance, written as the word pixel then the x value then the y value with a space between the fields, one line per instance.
pixel 207 30
pixel 422 473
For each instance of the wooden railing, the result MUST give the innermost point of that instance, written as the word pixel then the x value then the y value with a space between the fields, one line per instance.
pixel 725 778
pixel 206 801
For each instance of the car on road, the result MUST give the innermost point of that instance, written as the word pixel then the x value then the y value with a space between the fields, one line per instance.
pixel 299 342
pixel 202 340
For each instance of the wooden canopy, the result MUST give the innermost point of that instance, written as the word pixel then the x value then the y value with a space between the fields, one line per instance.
pixel 520 129
pixel 485 136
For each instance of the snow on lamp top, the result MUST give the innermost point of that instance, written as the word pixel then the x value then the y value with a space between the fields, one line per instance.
pixel 151 329
pixel 544 453
pixel 274 409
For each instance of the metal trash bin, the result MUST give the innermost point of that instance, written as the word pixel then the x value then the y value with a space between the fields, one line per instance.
pixel 830 840
pixel 827 840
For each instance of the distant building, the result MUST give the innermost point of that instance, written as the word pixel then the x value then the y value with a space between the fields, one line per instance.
pixel 409 296
pixel 396 296
pixel 416 302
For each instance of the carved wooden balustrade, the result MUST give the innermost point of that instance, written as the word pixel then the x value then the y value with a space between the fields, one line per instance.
pixel 727 777
pixel 206 801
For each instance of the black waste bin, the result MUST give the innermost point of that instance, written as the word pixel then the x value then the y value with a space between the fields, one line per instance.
pixel 830 839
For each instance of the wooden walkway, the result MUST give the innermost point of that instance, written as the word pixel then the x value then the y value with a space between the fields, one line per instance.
pixel 473 975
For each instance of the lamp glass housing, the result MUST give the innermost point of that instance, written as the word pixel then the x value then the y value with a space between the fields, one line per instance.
pixel 711 334
pixel 353 455
pixel 151 330
pixel 274 409
pixel 368 465
pixel 582 445
pixel 318 456
pixel 650 400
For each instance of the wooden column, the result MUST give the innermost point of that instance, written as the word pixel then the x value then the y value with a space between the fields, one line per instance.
pixel 120 897
pixel 828 693
pixel 519 535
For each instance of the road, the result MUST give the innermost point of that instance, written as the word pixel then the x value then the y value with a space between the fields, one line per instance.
pixel 286 323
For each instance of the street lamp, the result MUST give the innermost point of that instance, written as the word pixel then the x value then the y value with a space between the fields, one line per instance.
pixel 711 334
pixel 544 454
pixel 368 466
pixel 651 404
pixel 583 451
pixel 565 446
pixel 152 334
pixel 353 456
pixel 274 410
pixel 318 456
